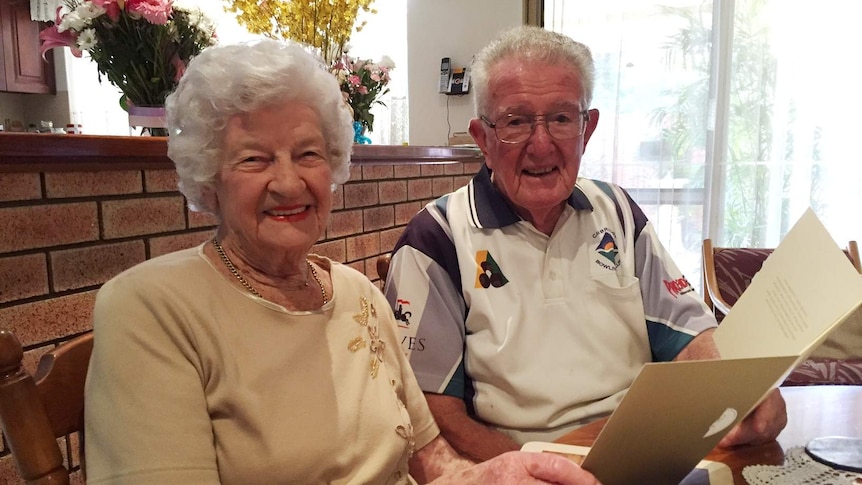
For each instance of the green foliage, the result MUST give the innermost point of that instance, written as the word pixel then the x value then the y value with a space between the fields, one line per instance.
pixel 685 123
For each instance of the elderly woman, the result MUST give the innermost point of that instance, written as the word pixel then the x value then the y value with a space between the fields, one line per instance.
pixel 247 359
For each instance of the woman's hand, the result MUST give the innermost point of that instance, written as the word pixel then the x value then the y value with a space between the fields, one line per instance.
pixel 519 467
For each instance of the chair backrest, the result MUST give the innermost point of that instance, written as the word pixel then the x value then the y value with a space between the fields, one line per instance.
pixel 37 410
pixel 383 266
pixel 727 272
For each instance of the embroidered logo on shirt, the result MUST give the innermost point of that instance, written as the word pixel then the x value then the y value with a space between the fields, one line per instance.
pixel 488 271
pixel 608 248
pixel 403 317
pixel 678 287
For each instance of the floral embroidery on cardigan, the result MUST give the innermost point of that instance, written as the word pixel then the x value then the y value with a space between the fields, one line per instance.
pixel 374 343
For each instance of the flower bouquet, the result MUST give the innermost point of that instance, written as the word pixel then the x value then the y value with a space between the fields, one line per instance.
pixel 325 25
pixel 141 46
pixel 363 82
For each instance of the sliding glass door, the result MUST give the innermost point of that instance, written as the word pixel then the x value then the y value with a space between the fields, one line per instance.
pixel 724 119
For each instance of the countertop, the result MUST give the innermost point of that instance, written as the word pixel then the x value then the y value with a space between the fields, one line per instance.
pixel 30 152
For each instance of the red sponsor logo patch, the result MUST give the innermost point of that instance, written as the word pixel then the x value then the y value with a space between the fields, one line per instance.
pixel 678 287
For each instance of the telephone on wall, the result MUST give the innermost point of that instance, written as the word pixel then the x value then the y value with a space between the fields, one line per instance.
pixel 453 81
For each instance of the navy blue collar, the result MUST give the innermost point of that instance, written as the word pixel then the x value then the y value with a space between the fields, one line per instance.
pixel 493 210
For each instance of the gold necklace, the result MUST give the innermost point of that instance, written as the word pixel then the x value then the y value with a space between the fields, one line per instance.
pixel 229 264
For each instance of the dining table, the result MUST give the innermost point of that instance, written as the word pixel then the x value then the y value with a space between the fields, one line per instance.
pixel 812 411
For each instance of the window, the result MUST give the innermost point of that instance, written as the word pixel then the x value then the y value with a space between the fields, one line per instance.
pixel 725 117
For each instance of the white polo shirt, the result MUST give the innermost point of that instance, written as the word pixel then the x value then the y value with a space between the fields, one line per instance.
pixel 538 334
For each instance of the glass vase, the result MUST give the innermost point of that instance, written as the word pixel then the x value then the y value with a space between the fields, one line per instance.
pixel 150 119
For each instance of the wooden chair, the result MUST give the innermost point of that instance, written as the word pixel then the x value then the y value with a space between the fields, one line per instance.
pixel 383 266
pixel 37 410
pixel 727 272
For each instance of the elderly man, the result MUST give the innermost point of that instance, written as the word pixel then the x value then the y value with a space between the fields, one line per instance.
pixel 529 299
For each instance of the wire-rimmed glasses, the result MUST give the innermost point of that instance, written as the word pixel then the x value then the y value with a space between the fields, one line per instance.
pixel 517 128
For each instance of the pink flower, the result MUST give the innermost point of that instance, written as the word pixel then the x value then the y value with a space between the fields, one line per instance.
pixel 112 8
pixel 51 38
pixel 155 11
pixel 353 79
pixel 363 89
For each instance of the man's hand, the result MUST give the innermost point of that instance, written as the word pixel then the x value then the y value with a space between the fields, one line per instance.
pixel 518 467
pixel 469 437
pixel 761 426
pixel 764 423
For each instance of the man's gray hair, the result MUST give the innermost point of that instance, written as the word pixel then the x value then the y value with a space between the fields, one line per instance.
pixel 530 43
pixel 229 80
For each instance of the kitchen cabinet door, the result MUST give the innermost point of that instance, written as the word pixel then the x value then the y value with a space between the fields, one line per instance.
pixel 23 69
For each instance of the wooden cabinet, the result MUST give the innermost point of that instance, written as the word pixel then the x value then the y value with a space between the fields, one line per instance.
pixel 22 69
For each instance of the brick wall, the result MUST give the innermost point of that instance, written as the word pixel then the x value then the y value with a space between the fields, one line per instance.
pixel 65 233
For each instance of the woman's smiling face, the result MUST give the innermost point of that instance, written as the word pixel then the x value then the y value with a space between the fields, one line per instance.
pixel 274 190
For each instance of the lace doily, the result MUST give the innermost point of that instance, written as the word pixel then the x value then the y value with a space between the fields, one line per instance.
pixel 799 468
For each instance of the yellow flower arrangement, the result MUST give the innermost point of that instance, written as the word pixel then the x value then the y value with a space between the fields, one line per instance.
pixel 323 24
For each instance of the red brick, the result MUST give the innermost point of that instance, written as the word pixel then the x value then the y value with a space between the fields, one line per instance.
pixel 472 168
pixel 418 189
pixel 161 181
pixel 8 471
pixel 378 218
pixel 23 277
pixel 47 225
pixel 393 191
pixel 405 212
pixel 355 173
pixel 201 219
pixel 358 266
pixel 458 182
pixel 388 238
pixel 407 171
pixel 338 198
pixel 453 169
pixel 431 170
pixel 20 186
pixel 133 217
pixel 167 244
pixel 334 250
pixel 75 445
pixel 84 184
pixel 371 268
pixel 30 362
pixel 359 247
pixel 93 265
pixel 76 478
pixel 51 319
pixel 344 223
pixel 376 172
pixel 360 195
pixel 441 186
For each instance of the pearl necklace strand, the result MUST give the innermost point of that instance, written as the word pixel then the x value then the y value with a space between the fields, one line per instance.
pixel 229 264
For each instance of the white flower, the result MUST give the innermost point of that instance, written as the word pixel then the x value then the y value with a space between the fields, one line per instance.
pixel 387 62
pixel 71 21
pixel 87 39
pixel 88 11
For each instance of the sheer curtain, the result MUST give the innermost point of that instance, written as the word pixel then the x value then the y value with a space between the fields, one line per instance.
pixel 95 104
pixel 723 118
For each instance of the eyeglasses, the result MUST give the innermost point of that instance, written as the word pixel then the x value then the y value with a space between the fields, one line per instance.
pixel 562 125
